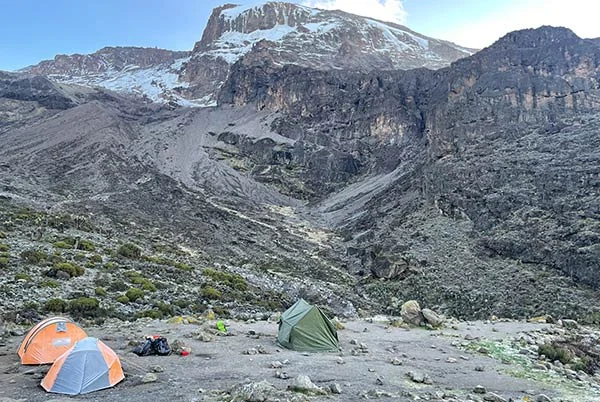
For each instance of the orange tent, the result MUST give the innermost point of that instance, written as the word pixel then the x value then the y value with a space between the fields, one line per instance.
pixel 49 339
pixel 88 366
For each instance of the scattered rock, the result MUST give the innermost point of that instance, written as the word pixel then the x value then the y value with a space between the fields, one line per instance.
pixel 204 336
pixel 262 350
pixel 433 318
pixel 157 369
pixel 303 384
pixel 542 398
pixel 411 313
pixel 17 332
pixel 396 361
pixel 149 377
pixel 276 364
pixel 12 369
pixel 570 324
pixel 379 381
pixel 282 375
pixel 178 346
pixel 479 389
pixel 417 377
pixel 251 351
pixel 253 392
pixel 339 360
pixel 335 388
pixel 451 360
pixel 491 397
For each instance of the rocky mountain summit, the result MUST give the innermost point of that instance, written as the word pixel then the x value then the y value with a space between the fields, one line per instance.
pixel 289 33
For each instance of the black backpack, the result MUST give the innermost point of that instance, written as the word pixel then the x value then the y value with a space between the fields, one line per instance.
pixel 161 347
pixel 153 346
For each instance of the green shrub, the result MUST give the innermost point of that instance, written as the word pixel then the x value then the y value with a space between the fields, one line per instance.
pixel 221 311
pixel 86 245
pixel 96 258
pixel 165 309
pixel 167 261
pixel 85 306
pixel 210 293
pixel 123 299
pixel 71 269
pixel 137 279
pixel 2 235
pixel 554 351
pixel 4 247
pixel 5 254
pixel 62 244
pixel 109 265
pixel 49 283
pixel 3 262
pixel 234 281
pixel 99 291
pixel 90 264
pixel 56 306
pixel 31 305
pixel 134 293
pixel 129 250
pixel 56 258
pixel 22 276
pixel 33 256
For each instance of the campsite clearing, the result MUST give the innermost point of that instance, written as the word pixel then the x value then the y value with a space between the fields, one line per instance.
pixel 377 360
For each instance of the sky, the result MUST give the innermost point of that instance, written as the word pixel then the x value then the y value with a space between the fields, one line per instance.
pixel 36 30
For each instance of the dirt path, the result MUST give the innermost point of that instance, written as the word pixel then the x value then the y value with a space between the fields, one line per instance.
pixel 447 357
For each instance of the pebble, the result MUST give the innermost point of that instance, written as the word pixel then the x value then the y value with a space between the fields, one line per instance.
pixel 542 398
pixel 276 364
pixel 451 360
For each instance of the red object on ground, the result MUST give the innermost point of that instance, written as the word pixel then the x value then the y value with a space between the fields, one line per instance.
pixel 184 353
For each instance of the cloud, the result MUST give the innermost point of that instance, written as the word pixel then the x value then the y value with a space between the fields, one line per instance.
pixel 385 10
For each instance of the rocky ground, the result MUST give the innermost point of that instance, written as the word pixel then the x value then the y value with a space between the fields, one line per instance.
pixel 462 361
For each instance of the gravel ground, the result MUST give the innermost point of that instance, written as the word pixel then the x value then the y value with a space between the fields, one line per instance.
pixel 214 368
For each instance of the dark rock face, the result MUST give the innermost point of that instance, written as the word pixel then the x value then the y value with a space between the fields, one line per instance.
pixel 483 141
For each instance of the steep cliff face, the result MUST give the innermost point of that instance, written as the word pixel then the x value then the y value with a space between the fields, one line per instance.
pixel 502 141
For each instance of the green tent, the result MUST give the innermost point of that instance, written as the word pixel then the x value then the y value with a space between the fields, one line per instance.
pixel 306 329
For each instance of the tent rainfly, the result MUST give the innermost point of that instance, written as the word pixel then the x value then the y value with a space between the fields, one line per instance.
pixel 88 366
pixel 305 328
pixel 49 339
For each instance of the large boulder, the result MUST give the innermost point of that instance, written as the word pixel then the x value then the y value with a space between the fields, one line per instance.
pixel 411 313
